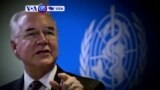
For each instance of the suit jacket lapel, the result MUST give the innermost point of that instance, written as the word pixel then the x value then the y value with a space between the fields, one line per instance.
pixel 19 84
pixel 59 70
pixel 56 78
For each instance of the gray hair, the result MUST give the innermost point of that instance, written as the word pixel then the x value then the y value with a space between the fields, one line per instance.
pixel 14 23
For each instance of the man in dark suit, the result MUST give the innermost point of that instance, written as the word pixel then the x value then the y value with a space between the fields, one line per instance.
pixel 34 42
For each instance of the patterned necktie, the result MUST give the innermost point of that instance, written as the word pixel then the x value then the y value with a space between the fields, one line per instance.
pixel 35 85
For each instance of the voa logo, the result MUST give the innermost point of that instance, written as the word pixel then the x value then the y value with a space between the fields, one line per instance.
pixel 114 51
pixel 36 8
pixel 44 8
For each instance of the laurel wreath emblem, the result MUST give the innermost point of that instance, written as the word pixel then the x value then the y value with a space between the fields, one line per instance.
pixel 85 50
pixel 141 51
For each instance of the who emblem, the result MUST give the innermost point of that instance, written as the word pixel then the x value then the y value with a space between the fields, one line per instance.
pixel 114 51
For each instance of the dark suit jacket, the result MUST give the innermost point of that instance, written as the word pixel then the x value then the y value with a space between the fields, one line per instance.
pixel 89 84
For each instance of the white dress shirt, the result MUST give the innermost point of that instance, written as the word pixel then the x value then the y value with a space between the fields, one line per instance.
pixel 44 80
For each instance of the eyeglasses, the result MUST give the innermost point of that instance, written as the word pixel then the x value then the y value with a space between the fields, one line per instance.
pixel 49 34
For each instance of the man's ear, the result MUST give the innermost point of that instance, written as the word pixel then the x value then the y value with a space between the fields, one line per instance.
pixel 14 47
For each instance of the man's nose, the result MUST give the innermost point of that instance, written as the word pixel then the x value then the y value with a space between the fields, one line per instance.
pixel 42 40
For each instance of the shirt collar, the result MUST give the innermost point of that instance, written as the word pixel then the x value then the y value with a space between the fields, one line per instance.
pixel 44 80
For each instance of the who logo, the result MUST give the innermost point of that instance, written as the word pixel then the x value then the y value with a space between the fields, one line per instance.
pixel 114 50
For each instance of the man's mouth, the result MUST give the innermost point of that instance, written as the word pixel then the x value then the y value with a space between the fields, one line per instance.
pixel 43 52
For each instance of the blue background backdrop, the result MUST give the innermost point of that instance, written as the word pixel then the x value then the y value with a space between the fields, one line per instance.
pixel 77 16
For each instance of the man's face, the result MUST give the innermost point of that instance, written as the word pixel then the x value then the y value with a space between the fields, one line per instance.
pixel 36 42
